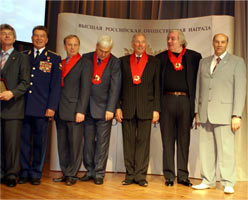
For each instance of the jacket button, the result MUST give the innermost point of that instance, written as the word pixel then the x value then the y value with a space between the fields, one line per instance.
pixel 33 68
pixel 30 91
pixel 31 83
pixel 32 75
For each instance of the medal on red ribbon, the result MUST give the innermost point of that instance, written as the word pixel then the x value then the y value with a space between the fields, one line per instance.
pixel 177 61
pixel 138 68
pixel 66 68
pixel 98 69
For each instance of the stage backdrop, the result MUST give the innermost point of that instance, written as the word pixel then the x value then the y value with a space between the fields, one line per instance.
pixel 199 33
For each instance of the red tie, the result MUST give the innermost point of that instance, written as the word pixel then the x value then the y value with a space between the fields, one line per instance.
pixel 217 62
pixel 3 60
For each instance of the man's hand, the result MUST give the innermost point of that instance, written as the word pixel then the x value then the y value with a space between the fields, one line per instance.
pixel 155 117
pixel 197 124
pixel 236 121
pixel 6 95
pixel 79 117
pixel 109 115
pixel 49 113
pixel 118 115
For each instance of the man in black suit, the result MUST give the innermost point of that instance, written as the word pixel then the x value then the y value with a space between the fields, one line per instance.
pixel 105 89
pixel 15 75
pixel 179 68
pixel 139 107
pixel 75 93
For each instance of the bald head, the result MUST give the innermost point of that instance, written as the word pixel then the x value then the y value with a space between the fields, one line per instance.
pixel 220 42
pixel 221 34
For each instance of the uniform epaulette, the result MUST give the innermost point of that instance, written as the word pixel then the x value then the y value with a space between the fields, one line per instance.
pixel 53 52
pixel 27 52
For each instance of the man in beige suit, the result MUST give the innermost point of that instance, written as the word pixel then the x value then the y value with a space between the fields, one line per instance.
pixel 220 98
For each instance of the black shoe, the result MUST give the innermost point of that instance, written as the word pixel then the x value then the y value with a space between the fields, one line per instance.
pixel 86 178
pixel 169 182
pixel 143 183
pixel 2 180
pixel 60 179
pixel 98 181
pixel 35 181
pixel 185 182
pixel 10 182
pixel 70 181
pixel 22 180
pixel 127 182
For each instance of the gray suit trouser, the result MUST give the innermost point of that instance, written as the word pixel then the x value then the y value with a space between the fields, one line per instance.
pixel 70 146
pixel 96 146
pixel 217 146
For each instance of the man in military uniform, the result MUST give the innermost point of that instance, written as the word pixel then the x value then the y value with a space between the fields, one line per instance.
pixel 41 102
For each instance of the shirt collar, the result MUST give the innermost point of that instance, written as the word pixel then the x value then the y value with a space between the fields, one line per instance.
pixel 221 56
pixel 40 50
pixel 8 51
pixel 138 55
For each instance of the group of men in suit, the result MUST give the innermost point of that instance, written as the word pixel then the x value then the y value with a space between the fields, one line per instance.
pixel 175 86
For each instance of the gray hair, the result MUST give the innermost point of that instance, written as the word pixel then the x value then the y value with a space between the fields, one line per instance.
pixel 138 34
pixel 181 36
pixel 105 41
pixel 8 27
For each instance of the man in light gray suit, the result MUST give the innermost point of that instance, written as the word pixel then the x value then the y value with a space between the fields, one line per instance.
pixel 220 98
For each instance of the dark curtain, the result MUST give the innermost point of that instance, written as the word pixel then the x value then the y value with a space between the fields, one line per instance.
pixel 133 10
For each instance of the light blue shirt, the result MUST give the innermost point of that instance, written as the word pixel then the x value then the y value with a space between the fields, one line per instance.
pixel 8 53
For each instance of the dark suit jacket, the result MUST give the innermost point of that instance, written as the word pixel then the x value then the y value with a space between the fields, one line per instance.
pixel 104 96
pixel 16 72
pixel 144 98
pixel 76 91
pixel 44 91
pixel 192 60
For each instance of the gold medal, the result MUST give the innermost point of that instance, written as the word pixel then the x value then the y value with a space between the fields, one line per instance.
pixel 136 78
pixel 177 65
pixel 96 78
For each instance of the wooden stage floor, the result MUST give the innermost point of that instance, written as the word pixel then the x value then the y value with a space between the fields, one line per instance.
pixel 112 189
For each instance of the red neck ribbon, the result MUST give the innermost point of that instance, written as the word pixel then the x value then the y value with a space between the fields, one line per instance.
pixel 98 69
pixel 138 68
pixel 177 61
pixel 70 64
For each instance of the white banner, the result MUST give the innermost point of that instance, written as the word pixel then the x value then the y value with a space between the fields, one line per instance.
pixel 199 33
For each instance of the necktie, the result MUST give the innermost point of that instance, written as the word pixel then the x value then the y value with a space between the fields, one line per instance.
pixel 37 54
pixel 3 60
pixel 98 61
pixel 138 59
pixel 67 60
pixel 217 62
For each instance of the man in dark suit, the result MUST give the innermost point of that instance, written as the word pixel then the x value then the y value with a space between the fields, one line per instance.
pixel 105 89
pixel 179 68
pixel 139 107
pixel 15 75
pixel 75 93
pixel 41 102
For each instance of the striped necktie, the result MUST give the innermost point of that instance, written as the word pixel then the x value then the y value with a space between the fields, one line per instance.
pixel 3 59
pixel 217 62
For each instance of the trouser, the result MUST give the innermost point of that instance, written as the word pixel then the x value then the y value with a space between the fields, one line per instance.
pixel 10 147
pixel 34 130
pixel 70 146
pixel 96 146
pixel 175 124
pixel 217 144
pixel 136 144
